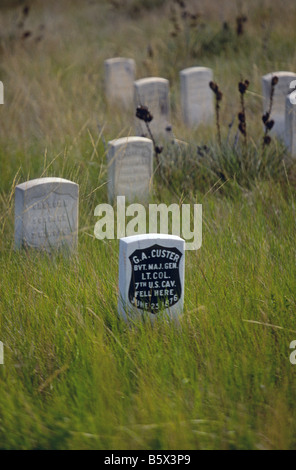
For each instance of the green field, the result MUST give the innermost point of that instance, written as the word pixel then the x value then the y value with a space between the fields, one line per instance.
pixel 75 376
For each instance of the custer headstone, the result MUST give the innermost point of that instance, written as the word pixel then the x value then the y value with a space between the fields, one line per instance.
pixel 119 81
pixel 46 214
pixel 153 92
pixel 130 168
pixel 196 96
pixel 281 90
pixel 151 276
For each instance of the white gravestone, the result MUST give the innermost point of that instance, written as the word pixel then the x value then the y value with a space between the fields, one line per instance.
pixel 119 80
pixel 46 214
pixel 290 126
pixel 153 92
pixel 130 168
pixel 151 275
pixel 281 90
pixel 196 96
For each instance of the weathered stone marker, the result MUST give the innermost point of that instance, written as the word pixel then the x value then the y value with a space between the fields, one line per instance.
pixel 130 168
pixel 46 214
pixel 151 275
pixel 119 80
pixel 196 96
pixel 153 92
pixel 281 90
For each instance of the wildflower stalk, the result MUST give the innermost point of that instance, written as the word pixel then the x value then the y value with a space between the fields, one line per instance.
pixel 144 114
pixel 242 126
pixel 240 20
pixel 218 98
pixel 269 123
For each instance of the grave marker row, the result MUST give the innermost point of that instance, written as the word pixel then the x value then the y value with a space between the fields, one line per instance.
pixel 153 92
pixel 196 98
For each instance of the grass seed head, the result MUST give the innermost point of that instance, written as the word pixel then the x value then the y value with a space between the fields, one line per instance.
pixel 266 139
pixel 241 117
pixel 265 117
pixel 242 86
pixel 26 10
pixel 143 113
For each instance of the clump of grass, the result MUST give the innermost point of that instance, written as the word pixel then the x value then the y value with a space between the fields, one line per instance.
pixel 245 165
pixel 199 167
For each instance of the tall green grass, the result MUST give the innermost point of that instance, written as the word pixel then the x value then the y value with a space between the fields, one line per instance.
pixel 77 376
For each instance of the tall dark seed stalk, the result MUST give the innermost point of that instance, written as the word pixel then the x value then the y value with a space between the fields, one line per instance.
pixel 143 113
pixel 218 98
pixel 242 126
pixel 269 123
pixel 240 20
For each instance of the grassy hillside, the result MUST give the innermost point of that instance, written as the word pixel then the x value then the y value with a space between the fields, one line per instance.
pixel 76 376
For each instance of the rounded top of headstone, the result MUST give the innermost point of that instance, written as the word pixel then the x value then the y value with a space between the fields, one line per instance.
pixel 43 181
pixel 115 60
pixel 195 69
pixel 153 237
pixel 279 74
pixel 151 80
pixel 129 140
